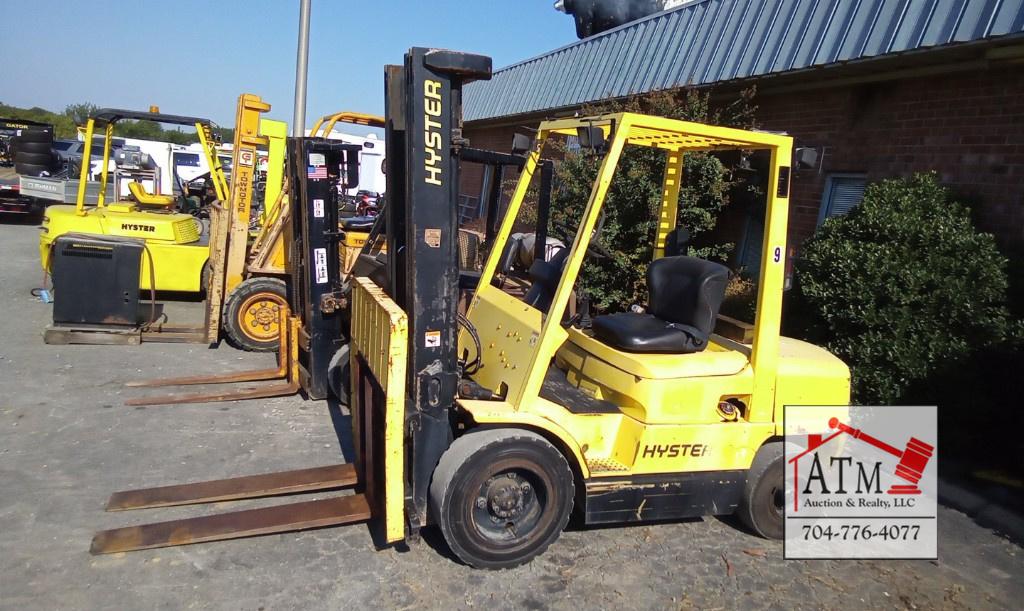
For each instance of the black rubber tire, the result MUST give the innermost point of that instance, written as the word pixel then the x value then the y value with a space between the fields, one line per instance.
pixel 33 135
pixel 205 279
pixel 250 289
pixel 30 169
pixel 761 508
pixel 504 461
pixel 43 159
pixel 34 147
pixel 339 377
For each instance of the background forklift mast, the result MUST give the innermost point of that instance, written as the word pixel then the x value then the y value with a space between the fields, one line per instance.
pixel 424 121
pixel 315 290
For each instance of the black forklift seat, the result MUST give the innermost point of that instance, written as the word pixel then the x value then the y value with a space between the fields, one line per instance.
pixel 544 278
pixel 685 294
pixel 357 223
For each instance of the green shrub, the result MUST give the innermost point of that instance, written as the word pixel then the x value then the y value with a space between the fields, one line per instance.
pixel 902 287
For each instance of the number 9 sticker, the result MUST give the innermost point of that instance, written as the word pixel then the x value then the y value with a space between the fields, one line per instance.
pixel 777 256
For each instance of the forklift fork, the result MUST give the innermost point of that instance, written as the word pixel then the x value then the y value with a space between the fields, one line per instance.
pixel 287 374
pixel 332 511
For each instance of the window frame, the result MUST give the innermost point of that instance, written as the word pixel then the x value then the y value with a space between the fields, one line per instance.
pixel 826 196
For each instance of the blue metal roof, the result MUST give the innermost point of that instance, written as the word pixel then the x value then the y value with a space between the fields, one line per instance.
pixel 708 41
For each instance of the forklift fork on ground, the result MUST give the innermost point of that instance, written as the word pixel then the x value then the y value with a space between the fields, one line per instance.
pixel 332 511
pixel 285 376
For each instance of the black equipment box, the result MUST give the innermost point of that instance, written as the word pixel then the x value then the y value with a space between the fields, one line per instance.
pixel 96 280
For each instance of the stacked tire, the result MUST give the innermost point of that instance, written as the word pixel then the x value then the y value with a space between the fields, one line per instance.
pixel 33 151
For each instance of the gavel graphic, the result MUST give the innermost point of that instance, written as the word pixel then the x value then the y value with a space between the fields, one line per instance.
pixel 913 459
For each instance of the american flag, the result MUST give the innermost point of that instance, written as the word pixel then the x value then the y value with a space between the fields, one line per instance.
pixel 316 172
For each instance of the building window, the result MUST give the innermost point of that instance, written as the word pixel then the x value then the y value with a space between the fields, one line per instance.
pixel 842 193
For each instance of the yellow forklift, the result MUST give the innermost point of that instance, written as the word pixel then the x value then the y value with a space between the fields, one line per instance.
pixel 241 271
pixel 497 425
pixel 175 255
pixel 254 276
pixel 178 255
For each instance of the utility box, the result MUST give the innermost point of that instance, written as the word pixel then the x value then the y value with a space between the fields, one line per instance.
pixel 96 280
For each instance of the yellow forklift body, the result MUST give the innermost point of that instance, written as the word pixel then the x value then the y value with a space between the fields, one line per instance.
pixel 174 257
pixel 172 240
pixel 669 416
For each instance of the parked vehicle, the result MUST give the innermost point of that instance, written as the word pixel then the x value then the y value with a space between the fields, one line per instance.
pixel 11 199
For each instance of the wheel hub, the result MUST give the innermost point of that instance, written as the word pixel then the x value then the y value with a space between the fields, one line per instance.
pixel 264 313
pixel 260 316
pixel 507 496
pixel 778 498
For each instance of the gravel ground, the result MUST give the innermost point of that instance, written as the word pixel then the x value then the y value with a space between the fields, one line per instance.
pixel 67 441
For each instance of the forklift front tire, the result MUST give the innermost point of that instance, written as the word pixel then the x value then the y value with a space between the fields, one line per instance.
pixel 338 377
pixel 251 314
pixel 761 509
pixel 501 497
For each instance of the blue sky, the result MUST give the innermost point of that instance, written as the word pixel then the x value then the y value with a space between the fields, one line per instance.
pixel 194 57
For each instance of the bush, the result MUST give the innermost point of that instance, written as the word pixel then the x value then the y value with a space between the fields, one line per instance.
pixel 902 287
pixel 631 207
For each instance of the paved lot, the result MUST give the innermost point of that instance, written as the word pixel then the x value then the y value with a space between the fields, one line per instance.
pixel 67 441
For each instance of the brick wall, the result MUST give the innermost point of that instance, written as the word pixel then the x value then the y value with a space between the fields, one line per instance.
pixel 491 139
pixel 968 127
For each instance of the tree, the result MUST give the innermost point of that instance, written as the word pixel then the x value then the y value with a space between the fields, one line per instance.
pixel 80 113
pixel 631 207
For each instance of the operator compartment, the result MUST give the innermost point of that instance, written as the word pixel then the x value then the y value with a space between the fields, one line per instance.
pixel 663 366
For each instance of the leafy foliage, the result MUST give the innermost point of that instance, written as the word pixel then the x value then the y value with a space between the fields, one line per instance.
pixel 902 286
pixel 634 197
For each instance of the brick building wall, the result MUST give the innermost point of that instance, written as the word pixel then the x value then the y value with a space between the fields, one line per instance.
pixel 967 126
pixel 492 139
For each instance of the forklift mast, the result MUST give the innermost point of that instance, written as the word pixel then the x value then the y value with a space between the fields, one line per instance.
pixel 424 140
pixel 315 290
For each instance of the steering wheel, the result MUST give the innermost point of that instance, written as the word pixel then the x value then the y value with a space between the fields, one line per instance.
pixel 595 248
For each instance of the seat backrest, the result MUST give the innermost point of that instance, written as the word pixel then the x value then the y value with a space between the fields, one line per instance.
pixel 687 291
pixel 509 254
pixel 148 199
pixel 544 278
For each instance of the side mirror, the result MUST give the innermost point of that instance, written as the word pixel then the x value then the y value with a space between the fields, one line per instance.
pixel 521 144
pixel 351 169
pixel 591 138
pixel 806 158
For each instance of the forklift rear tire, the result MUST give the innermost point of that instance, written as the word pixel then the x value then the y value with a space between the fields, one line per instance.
pixel 762 506
pixel 501 497
pixel 251 314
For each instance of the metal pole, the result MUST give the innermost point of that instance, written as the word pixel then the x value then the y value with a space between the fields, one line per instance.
pixel 301 62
